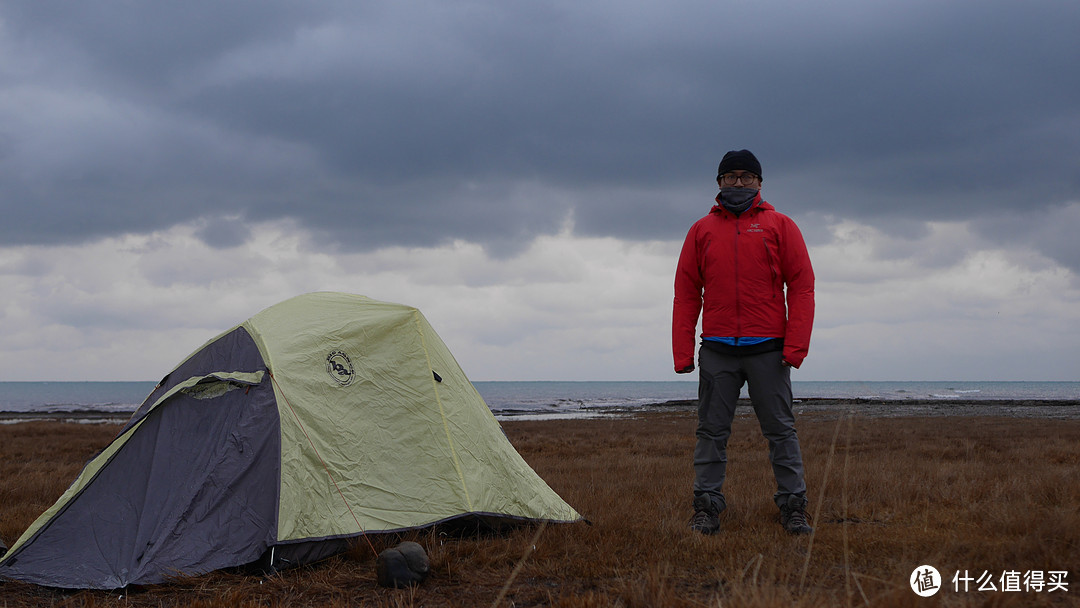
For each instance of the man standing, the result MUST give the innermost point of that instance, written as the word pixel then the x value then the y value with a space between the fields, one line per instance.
pixel 733 271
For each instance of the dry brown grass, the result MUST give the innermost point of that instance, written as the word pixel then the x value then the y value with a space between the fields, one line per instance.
pixel 978 494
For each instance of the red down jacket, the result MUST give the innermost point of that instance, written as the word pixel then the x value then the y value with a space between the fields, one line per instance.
pixel 733 272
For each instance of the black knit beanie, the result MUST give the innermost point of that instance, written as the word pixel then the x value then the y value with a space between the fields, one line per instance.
pixel 739 160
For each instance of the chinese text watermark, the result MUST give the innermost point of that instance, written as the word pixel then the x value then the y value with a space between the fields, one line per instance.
pixel 925 581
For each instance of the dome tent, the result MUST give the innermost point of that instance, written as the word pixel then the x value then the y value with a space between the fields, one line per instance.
pixel 320 419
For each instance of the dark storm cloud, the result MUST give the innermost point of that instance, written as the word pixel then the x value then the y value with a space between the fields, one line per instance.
pixel 412 123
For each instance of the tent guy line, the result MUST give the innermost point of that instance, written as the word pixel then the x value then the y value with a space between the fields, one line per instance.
pixel 329 475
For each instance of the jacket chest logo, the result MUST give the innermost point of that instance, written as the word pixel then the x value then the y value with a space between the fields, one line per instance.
pixel 755 228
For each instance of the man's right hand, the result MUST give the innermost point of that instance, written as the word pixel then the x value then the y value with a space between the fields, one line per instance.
pixel 685 370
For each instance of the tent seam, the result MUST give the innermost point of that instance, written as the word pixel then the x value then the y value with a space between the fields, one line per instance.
pixel 442 410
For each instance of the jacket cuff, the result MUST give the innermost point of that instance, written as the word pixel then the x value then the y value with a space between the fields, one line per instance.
pixel 794 359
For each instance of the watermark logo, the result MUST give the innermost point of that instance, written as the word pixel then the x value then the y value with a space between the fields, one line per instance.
pixel 925 581
pixel 340 368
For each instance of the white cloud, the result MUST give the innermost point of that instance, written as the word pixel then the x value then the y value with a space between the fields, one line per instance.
pixel 992 314
pixel 131 307
pixel 565 308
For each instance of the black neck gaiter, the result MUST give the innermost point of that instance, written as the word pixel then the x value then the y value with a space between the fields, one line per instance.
pixel 737 200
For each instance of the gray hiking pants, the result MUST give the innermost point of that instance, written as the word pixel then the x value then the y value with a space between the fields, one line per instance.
pixel 768 380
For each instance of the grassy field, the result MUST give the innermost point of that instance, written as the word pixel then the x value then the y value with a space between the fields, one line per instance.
pixel 992 495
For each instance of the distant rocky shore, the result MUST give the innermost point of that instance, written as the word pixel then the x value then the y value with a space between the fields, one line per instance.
pixel 820 407
pixel 891 408
pixel 83 416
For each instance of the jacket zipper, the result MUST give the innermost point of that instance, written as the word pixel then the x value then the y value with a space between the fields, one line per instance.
pixel 738 301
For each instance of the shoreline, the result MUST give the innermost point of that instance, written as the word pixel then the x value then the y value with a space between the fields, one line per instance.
pixel 829 407
pixel 819 406
pixel 913 407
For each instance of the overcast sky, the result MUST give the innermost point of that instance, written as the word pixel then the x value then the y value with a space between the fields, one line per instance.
pixel 525 172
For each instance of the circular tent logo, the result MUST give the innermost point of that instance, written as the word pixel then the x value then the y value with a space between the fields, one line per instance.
pixel 925 581
pixel 340 368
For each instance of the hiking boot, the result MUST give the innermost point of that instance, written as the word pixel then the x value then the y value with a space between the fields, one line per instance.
pixel 706 517
pixel 793 515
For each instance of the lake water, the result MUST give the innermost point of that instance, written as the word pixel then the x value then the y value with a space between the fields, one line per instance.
pixel 555 399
